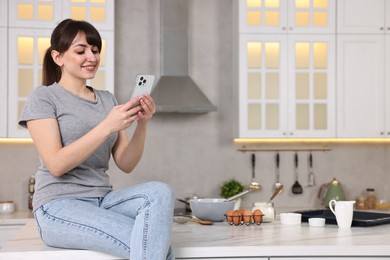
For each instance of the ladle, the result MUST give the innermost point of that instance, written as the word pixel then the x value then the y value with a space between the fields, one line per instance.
pixel 277 170
pixel 182 219
pixel 254 185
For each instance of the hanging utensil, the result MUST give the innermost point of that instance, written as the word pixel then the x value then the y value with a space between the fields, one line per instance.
pixel 254 185
pixel 296 188
pixel 277 172
pixel 276 192
pixel 311 178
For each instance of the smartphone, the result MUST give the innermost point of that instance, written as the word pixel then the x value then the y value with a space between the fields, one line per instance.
pixel 143 85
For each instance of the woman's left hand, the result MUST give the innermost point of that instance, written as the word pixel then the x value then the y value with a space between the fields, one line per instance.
pixel 148 108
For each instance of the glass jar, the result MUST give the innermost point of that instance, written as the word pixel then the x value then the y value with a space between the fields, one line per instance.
pixel 267 209
pixel 371 198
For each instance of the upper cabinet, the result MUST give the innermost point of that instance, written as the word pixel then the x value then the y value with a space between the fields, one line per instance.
pixel 287 16
pixel 286 79
pixel 363 84
pixel 363 16
pixel 3 68
pixel 29 29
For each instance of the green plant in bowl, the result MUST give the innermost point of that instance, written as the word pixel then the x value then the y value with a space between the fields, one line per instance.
pixel 230 188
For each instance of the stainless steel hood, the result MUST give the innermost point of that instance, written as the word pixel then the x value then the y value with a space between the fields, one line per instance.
pixel 176 92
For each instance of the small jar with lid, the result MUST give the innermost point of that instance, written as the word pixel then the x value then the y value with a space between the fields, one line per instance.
pixel 361 203
pixel 267 209
pixel 371 198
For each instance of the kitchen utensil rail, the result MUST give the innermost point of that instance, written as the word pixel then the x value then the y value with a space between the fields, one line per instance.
pixel 284 149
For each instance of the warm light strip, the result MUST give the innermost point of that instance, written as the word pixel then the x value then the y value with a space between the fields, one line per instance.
pixel 311 140
pixel 16 141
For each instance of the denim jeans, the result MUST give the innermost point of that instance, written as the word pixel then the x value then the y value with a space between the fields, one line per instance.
pixel 133 223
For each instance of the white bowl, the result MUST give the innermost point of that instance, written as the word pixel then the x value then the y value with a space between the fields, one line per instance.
pixel 211 209
pixel 7 207
pixel 316 222
pixel 290 218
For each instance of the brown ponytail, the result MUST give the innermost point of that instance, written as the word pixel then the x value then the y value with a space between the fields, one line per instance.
pixel 51 72
pixel 61 39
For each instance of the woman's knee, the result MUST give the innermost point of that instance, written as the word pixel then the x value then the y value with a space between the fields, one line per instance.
pixel 161 191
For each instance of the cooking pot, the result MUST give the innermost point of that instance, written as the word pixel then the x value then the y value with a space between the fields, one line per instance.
pixel 331 191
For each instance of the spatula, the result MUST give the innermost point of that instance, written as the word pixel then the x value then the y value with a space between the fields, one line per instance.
pixel 296 188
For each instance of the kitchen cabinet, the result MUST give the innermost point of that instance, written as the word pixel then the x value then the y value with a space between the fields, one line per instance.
pixel 362 87
pixel 3 69
pixel 286 79
pixel 363 16
pixel 326 258
pixel 363 84
pixel 7 232
pixel 286 86
pixel 29 28
pixel 287 16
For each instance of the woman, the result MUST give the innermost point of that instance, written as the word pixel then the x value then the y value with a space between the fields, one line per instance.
pixel 75 130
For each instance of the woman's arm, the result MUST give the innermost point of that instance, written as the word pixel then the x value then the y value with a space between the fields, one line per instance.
pixel 127 154
pixel 58 159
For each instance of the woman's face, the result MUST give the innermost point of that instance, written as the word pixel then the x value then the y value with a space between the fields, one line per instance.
pixel 81 60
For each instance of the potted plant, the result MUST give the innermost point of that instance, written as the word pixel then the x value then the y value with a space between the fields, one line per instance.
pixel 230 188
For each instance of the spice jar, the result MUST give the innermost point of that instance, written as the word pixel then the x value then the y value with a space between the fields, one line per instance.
pixel 267 209
pixel 371 198
pixel 361 203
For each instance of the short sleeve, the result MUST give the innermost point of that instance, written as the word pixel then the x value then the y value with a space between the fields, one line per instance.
pixel 39 105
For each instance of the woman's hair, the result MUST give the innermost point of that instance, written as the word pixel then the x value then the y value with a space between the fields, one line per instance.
pixel 61 39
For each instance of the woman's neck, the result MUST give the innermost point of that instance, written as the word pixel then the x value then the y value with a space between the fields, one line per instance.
pixel 78 87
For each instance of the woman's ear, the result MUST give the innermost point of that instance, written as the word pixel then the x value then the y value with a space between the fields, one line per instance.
pixel 56 57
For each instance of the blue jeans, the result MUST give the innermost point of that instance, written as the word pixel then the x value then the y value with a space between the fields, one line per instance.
pixel 133 223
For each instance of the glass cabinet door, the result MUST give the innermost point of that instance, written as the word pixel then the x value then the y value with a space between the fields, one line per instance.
pixel 262 82
pixel 27 48
pixel 262 16
pixel 311 86
pixel 287 16
pixel 34 13
pixel 98 12
pixel 312 16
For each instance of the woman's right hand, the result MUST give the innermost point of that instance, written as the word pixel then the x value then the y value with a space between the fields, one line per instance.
pixel 122 116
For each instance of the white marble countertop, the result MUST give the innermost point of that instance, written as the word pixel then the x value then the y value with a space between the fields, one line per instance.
pixel 192 240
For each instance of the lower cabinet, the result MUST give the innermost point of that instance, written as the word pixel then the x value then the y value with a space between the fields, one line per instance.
pixel 7 231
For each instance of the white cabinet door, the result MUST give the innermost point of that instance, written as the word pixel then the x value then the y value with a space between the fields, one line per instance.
pixel 311 86
pixel 7 231
pixel 287 16
pixel 262 85
pixel 3 13
pixel 287 86
pixel 26 50
pixel 3 82
pixel 360 86
pixel 361 16
pixel 34 14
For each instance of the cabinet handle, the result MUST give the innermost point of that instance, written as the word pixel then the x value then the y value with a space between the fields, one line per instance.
pixel 284 133
pixel 381 28
pixel 284 28
pixel 291 133
pixel 382 133
pixel 290 28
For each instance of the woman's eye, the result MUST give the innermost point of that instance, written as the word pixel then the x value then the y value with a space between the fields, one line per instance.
pixel 80 52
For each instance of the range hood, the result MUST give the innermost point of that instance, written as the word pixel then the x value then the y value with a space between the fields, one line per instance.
pixel 176 92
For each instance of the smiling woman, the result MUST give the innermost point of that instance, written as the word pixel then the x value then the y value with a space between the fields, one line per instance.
pixel 76 129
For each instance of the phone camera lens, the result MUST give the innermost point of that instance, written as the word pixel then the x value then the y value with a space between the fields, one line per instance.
pixel 144 81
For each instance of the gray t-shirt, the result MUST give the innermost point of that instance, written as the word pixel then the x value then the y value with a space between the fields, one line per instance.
pixel 76 117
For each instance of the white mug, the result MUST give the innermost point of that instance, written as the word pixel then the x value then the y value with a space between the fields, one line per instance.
pixel 343 210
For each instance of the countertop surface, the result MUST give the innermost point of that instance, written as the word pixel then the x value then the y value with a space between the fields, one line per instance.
pixel 192 240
